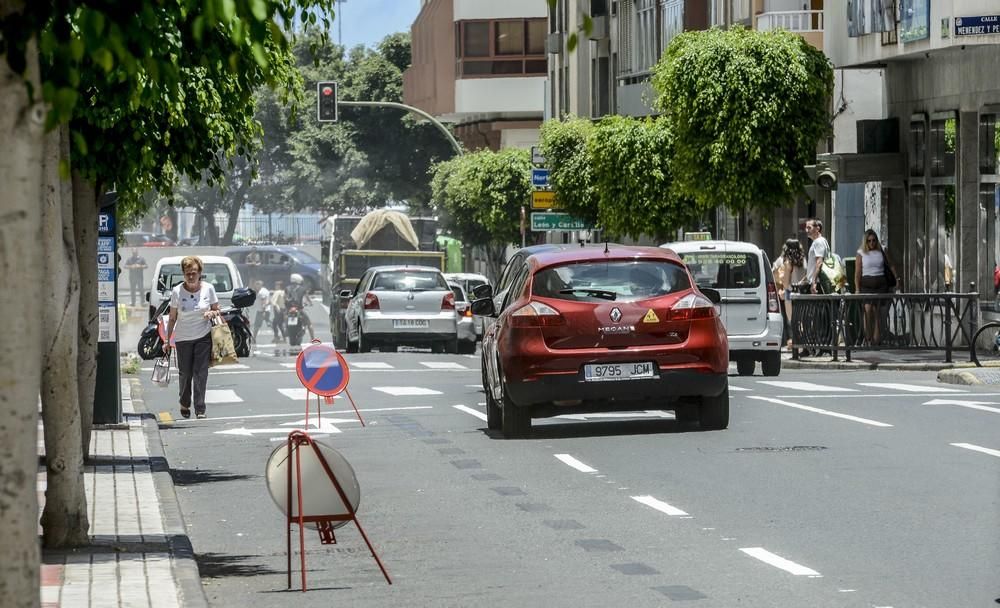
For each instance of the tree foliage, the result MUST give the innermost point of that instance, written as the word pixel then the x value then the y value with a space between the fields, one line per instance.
pixel 631 160
pixel 571 170
pixel 747 109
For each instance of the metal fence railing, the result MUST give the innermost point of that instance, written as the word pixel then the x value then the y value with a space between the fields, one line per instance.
pixel 892 321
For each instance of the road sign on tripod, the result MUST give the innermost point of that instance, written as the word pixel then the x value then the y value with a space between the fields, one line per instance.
pixel 324 373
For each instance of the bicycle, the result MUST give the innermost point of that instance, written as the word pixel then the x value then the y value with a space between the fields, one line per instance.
pixel 986 342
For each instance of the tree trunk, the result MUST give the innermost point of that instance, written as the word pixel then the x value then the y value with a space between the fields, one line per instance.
pixel 85 227
pixel 211 231
pixel 494 259
pixel 234 215
pixel 21 131
pixel 64 519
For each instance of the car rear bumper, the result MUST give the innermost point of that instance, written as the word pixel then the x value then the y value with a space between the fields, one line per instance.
pixel 669 386
pixel 767 340
pixel 466 331
pixel 444 325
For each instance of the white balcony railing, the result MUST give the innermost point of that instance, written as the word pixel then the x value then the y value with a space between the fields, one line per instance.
pixel 793 21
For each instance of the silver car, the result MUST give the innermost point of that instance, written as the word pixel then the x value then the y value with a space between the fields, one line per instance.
pixel 401 305
pixel 467 335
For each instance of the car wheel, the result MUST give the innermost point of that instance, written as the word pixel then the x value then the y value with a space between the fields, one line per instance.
pixel 771 365
pixel 686 412
pixel 437 347
pixel 515 422
pixel 352 347
pixel 492 409
pixel 451 346
pixel 388 348
pixel 466 347
pixel 745 366
pixel 714 411
pixel 363 345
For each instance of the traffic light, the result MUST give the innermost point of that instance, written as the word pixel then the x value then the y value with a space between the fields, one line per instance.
pixel 326 104
pixel 822 176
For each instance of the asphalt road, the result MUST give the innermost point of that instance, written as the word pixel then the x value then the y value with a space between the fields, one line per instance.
pixel 870 489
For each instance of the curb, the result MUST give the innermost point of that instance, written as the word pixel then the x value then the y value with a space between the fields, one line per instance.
pixel 186 573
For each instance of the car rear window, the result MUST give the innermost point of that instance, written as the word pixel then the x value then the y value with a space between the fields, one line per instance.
pixel 459 294
pixel 622 281
pixel 216 274
pixel 721 270
pixel 409 280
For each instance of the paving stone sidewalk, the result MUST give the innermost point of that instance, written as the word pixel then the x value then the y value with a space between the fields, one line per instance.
pixel 139 554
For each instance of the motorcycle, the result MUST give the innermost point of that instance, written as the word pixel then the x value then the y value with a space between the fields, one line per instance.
pixel 293 325
pixel 152 338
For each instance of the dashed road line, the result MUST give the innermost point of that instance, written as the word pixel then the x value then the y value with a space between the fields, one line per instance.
pixel 407 391
pixel 977 448
pixel 442 365
pixel 469 410
pixel 369 365
pixel 808 386
pixel 817 410
pixel 576 464
pixel 661 506
pixel 779 562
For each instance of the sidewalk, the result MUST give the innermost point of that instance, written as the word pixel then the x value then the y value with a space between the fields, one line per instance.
pixel 959 371
pixel 139 554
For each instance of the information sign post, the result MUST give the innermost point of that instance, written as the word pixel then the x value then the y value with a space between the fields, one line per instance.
pixel 107 393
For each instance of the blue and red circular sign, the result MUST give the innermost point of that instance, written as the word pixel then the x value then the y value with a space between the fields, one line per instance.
pixel 322 370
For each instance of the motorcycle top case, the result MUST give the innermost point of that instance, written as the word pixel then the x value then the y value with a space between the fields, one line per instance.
pixel 244 297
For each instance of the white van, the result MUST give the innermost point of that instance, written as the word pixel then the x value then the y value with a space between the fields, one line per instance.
pixel 750 308
pixel 218 270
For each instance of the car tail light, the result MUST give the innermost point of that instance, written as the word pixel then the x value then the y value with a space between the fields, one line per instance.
pixel 467 312
pixel 371 301
pixel 448 301
pixel 691 306
pixel 536 314
pixel 772 298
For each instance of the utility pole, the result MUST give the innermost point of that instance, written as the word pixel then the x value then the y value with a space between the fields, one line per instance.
pixel 340 23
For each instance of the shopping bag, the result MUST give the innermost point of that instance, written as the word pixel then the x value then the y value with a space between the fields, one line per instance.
pixel 223 349
pixel 161 371
pixel 832 275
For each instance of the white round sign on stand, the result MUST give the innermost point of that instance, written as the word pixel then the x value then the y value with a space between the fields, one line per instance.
pixel 319 494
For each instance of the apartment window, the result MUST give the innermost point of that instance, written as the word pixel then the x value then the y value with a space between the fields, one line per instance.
pixel 672 13
pixel 739 10
pixel 501 47
pixel 943 145
pixel 918 145
pixel 645 35
pixel 988 144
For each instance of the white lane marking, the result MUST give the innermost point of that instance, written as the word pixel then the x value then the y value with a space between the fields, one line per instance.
pixel 612 415
pixel 910 388
pixel 442 365
pixel 660 506
pixel 976 448
pixel 821 411
pixel 299 394
pixel 373 371
pixel 469 410
pixel 399 391
pixel 975 405
pixel 466 386
pixel 325 426
pixel 369 365
pixel 738 388
pixel 779 562
pixel 576 464
pixel 221 396
pixel 229 366
pixel 377 409
pixel 289 365
pixel 863 395
pixel 808 386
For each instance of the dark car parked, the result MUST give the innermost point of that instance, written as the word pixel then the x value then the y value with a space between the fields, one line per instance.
pixel 277 263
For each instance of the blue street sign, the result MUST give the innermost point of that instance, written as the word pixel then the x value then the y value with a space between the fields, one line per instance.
pixel 105 223
pixel 539 177
pixel 105 244
pixel 977 26
pixel 322 370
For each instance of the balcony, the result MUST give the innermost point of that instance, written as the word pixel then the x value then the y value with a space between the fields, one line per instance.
pixel 807 23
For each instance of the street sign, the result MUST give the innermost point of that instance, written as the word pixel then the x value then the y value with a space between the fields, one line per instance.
pixel 536 156
pixel 539 177
pixel 322 370
pixel 543 199
pixel 556 221
pixel 977 26
pixel 697 236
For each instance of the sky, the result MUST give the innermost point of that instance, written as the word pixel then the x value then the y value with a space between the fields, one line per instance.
pixel 368 21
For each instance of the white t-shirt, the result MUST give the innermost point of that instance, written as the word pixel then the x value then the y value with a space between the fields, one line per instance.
pixel 872 263
pixel 191 322
pixel 820 248
pixel 263 301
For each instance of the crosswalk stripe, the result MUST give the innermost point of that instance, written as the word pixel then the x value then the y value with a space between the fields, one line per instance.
pixel 469 410
pixel 808 386
pixel 289 365
pixel 221 396
pixel 228 366
pixel 298 394
pixel 910 388
pixel 407 391
pixel 737 388
pixel 368 365
pixel 443 365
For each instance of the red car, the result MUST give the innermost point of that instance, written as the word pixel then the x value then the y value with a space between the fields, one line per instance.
pixel 596 329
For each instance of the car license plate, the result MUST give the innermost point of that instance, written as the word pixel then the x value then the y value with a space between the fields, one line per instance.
pixel 293 321
pixel 609 372
pixel 410 324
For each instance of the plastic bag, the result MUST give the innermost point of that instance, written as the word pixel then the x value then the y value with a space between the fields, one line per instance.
pixel 161 372
pixel 832 275
pixel 223 349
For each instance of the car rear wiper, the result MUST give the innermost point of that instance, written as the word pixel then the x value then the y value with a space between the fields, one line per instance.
pixel 591 291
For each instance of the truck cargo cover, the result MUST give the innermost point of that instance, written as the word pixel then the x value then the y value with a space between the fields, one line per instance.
pixel 378 219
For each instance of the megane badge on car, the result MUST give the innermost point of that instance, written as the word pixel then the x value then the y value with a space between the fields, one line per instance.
pixel 616 314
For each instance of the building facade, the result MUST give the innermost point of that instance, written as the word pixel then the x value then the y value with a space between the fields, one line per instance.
pixel 942 97
pixel 481 65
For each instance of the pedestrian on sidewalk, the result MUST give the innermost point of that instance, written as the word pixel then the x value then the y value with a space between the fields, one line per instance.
pixel 870 275
pixel 793 271
pixel 136 264
pixel 278 311
pixel 193 305
pixel 262 307
pixel 818 250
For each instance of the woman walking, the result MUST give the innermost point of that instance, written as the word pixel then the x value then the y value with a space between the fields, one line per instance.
pixel 794 264
pixel 193 305
pixel 870 276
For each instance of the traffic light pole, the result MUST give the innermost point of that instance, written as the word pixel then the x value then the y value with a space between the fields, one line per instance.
pixel 403 106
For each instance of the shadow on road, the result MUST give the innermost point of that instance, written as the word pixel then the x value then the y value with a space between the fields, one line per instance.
pixel 592 428
pixel 190 477
pixel 219 565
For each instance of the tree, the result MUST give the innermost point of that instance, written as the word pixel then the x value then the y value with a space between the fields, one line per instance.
pixel 631 160
pixel 747 109
pixel 481 195
pixel 564 144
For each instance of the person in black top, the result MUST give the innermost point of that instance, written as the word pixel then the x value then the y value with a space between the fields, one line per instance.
pixel 136 265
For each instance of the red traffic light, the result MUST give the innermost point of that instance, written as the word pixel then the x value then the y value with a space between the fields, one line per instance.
pixel 327 91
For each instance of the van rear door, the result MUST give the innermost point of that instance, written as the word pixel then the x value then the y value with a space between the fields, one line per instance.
pixel 737 275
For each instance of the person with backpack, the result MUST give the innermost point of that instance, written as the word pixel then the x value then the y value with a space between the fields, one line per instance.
pixel 297 294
